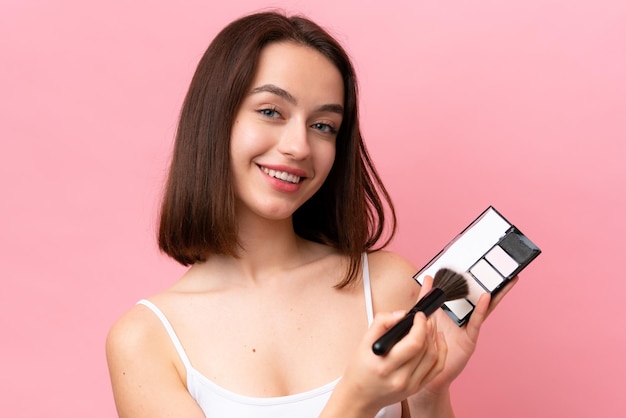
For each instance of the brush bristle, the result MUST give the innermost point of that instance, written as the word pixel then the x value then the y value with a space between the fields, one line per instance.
pixel 453 284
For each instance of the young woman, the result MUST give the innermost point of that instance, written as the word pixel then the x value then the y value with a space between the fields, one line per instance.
pixel 274 204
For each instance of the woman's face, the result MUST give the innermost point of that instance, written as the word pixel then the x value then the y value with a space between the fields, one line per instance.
pixel 283 137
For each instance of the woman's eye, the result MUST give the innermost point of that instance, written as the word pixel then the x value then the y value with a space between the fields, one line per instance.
pixel 324 127
pixel 269 112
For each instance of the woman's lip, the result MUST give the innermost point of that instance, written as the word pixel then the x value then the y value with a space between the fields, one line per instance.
pixel 291 183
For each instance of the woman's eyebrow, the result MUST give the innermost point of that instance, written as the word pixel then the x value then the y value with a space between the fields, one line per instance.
pixel 334 108
pixel 271 88
pixel 274 89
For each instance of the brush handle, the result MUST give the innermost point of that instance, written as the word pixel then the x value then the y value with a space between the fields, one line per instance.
pixel 428 304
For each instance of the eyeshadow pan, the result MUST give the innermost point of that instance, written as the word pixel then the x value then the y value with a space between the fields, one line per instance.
pixel 486 275
pixel 518 246
pixel 503 262
pixel 459 307
pixel 475 290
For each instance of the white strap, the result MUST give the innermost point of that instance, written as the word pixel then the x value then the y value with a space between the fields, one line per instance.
pixel 170 331
pixel 367 288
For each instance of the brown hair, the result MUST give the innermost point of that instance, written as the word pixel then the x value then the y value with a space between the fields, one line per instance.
pixel 198 210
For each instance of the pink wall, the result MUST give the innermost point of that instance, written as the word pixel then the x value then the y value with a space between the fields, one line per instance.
pixel 519 104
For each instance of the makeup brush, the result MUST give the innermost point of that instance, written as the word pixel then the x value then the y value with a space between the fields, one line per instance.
pixel 447 285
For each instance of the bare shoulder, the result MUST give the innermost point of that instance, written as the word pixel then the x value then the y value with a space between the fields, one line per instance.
pixel 147 376
pixel 393 286
pixel 132 332
pixel 136 343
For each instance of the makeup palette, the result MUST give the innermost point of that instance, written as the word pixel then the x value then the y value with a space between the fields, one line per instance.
pixel 492 250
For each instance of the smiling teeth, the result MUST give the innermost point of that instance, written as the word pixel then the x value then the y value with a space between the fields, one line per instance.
pixel 282 175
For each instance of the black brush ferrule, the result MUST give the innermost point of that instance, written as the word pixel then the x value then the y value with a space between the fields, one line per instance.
pixel 430 302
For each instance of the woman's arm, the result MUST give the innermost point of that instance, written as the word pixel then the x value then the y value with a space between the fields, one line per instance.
pixel 426 405
pixel 147 376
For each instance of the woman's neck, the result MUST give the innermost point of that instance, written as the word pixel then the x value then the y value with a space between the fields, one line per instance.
pixel 268 248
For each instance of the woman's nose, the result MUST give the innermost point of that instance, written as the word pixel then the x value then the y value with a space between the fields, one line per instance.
pixel 294 141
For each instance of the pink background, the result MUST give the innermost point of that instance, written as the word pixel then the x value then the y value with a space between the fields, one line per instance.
pixel 519 104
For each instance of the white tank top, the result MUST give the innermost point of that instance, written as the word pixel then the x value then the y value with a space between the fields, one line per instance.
pixel 217 402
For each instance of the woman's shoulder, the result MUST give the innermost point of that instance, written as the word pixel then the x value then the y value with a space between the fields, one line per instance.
pixel 393 286
pixel 138 345
pixel 147 375
pixel 135 332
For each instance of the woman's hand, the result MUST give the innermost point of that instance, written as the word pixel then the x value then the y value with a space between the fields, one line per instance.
pixel 372 382
pixel 461 340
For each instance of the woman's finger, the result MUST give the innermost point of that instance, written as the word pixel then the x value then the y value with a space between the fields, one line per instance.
pixel 495 300
pixel 481 311
pixel 427 284
pixel 441 355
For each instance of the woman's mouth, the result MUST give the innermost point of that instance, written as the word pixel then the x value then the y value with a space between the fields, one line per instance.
pixel 281 175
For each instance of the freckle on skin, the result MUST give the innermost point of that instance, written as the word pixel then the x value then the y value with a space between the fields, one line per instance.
pixel 254 350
